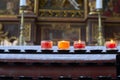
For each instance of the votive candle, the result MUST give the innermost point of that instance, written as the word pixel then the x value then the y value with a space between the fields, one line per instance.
pixel 79 45
pixel 63 45
pixel 111 44
pixel 46 45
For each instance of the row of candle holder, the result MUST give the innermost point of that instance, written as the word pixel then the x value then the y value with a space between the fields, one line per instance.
pixel 78 45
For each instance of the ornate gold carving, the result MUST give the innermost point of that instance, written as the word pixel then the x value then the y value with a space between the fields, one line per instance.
pixel 92 6
pixel 61 13
pixel 30 4
pixel 3 35
pixel 27 31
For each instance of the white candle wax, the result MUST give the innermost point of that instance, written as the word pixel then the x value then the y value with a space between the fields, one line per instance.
pixel 99 4
pixel 23 3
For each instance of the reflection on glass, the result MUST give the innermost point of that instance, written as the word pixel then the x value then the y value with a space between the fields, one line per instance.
pixel 59 32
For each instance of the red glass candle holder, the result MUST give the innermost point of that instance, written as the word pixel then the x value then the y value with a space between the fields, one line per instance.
pixel 46 45
pixel 111 44
pixel 79 45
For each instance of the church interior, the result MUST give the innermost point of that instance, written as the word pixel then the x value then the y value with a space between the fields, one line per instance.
pixel 59 40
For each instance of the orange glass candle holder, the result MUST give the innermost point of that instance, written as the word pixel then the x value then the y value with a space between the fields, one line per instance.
pixel 111 44
pixel 46 45
pixel 63 45
pixel 79 45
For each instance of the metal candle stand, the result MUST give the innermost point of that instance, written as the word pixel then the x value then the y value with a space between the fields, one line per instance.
pixel 21 37
pixel 100 38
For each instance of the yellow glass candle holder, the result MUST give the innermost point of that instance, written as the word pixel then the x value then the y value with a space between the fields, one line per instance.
pixel 63 45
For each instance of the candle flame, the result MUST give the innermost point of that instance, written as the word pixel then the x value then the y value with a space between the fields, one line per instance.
pixel 79 41
pixel 63 41
pixel 111 41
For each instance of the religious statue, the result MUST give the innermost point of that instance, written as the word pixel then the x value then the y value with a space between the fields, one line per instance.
pixel 13 41
pixel 75 4
pixel 30 4
pixel 71 3
pixel 111 8
pixel 2 34
pixel 10 8
pixel 92 4
pixel 5 40
pixel 61 4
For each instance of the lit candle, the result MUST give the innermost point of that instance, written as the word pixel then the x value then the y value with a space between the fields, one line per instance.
pixel 99 4
pixel 23 3
pixel 63 45
pixel 79 45
pixel 46 45
pixel 111 44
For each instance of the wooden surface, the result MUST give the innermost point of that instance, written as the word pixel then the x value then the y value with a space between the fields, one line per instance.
pixel 56 68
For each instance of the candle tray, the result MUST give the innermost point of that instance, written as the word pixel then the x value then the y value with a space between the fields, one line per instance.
pixel 79 51
pixel 30 51
pixel 14 50
pixel 47 51
pixel 63 51
pixel 95 51
pixel 2 50
pixel 112 51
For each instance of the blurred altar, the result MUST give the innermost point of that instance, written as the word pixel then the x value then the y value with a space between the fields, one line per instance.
pixel 59 20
